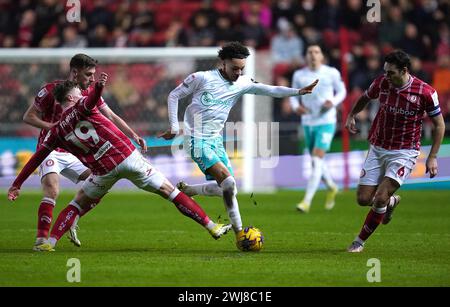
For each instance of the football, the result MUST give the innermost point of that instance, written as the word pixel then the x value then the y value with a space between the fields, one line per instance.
pixel 250 239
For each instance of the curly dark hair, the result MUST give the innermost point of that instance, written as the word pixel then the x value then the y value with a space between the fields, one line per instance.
pixel 62 89
pixel 233 50
pixel 399 58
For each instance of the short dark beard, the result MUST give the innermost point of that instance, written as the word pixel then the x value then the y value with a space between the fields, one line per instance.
pixel 224 75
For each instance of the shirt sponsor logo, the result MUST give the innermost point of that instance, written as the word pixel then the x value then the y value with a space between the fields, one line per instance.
pixel 401 111
pixel 105 147
pixel 207 99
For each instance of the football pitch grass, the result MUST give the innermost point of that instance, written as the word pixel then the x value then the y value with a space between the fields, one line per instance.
pixel 138 239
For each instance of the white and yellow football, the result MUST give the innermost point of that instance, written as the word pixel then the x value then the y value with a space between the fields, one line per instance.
pixel 250 239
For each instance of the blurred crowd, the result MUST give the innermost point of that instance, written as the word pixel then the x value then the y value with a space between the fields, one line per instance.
pixel 280 28
pixel 136 91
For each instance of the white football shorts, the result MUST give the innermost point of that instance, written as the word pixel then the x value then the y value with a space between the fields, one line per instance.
pixel 63 163
pixel 380 163
pixel 135 168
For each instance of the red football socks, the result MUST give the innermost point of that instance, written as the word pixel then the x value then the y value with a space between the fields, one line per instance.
pixel 64 221
pixel 371 223
pixel 45 215
pixel 190 208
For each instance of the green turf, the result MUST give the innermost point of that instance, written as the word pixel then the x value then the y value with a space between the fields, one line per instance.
pixel 141 240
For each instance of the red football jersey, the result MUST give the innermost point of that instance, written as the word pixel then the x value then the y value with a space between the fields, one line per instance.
pixel 90 136
pixel 50 109
pixel 398 123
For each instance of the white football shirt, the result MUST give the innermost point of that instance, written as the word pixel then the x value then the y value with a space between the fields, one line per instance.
pixel 330 87
pixel 212 99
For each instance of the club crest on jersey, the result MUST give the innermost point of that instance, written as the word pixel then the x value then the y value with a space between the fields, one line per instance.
pixel 412 98
pixel 401 171
pixel 50 162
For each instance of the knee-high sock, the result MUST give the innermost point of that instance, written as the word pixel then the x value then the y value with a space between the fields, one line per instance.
pixel 45 215
pixel 314 180
pixel 231 204
pixel 371 223
pixel 84 211
pixel 64 221
pixel 189 207
pixel 207 189
pixel 326 176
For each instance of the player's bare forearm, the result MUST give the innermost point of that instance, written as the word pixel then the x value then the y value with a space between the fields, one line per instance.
pixel 431 164
pixel 326 106
pixel 360 104
pixel 38 123
pixel 302 110
pixel 119 122
pixel 437 134
pixel 350 122
pixel 32 117
pixel 127 130
pixel 29 167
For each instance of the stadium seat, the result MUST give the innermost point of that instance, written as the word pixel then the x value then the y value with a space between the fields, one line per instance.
pixel 221 6
pixel 330 38
pixel 429 67
pixel 281 69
